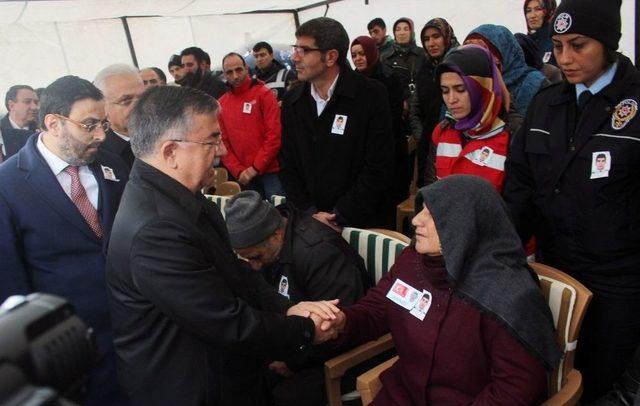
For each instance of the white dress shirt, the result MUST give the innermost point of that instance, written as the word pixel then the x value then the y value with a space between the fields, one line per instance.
pixel 57 165
pixel 3 149
pixel 124 137
pixel 16 126
pixel 320 102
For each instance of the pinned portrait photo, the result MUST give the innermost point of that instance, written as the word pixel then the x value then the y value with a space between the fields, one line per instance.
pixel 422 306
pixel 600 164
pixel 482 156
pixel 339 124
pixel 283 286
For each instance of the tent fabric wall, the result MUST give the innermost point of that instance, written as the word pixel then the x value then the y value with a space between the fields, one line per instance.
pixel 43 40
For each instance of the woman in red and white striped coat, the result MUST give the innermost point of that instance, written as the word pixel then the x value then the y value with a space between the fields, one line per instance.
pixel 473 139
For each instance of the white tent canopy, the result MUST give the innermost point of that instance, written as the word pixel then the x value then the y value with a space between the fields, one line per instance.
pixel 42 40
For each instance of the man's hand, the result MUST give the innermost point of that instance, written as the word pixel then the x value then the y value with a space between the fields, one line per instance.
pixel 280 368
pixel 247 175
pixel 326 310
pixel 339 322
pixel 325 329
pixel 328 219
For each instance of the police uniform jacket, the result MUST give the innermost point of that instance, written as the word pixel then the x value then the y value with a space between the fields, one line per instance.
pixel 278 78
pixel 585 224
pixel 346 173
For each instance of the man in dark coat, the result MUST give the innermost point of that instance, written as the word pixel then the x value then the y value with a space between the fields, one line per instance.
pixel 22 104
pixel 303 260
pixel 58 199
pixel 197 74
pixel 121 85
pixel 337 140
pixel 573 181
pixel 179 297
pixel 272 72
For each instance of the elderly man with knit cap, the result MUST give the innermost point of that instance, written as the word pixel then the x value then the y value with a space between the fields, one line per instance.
pixel 304 260
pixel 586 220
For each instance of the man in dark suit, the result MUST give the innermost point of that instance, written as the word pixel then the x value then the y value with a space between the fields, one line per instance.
pixel 182 305
pixel 22 104
pixel 122 86
pixel 58 199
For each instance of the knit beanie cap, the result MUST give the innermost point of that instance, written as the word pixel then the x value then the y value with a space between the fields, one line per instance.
pixel 597 19
pixel 250 219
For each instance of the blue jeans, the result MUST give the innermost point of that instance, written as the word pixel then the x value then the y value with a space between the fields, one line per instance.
pixel 267 185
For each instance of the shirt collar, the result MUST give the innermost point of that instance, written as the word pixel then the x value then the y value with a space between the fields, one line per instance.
pixel 16 126
pixel 332 88
pixel 56 163
pixel 124 137
pixel 603 81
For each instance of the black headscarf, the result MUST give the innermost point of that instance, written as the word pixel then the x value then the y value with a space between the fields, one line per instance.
pixel 485 261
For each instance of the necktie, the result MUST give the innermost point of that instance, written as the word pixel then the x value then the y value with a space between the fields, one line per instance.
pixel 583 99
pixel 80 199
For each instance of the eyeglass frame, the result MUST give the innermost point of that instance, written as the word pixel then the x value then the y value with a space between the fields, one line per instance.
pixel 215 143
pixel 126 102
pixel 305 49
pixel 89 128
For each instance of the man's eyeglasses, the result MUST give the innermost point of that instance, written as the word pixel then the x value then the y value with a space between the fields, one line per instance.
pixel 127 101
pixel 216 143
pixel 88 127
pixel 301 50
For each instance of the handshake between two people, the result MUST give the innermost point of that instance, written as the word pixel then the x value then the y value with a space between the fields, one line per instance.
pixel 328 319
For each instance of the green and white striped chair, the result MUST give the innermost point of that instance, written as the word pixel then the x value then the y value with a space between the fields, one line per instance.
pixel 220 201
pixel 277 200
pixel 378 250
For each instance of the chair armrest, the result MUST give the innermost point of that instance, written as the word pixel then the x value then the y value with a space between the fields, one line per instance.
pixel 570 393
pixel 337 366
pixel 368 384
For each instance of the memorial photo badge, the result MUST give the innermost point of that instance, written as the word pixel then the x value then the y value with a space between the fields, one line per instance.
pixel 625 111
pixel 339 124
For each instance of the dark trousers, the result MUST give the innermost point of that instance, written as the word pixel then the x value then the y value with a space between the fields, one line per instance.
pixel 608 340
pixel 304 387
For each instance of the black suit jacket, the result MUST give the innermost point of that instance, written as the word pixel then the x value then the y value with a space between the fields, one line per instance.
pixel 175 290
pixel 13 140
pixel 5 124
pixel 119 147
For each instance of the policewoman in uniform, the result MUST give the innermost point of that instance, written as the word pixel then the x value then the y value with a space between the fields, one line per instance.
pixel 573 180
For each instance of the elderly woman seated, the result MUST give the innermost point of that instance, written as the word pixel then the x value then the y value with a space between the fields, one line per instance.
pixel 467 316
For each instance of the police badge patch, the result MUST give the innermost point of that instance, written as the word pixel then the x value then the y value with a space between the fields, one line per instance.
pixel 625 112
pixel 562 23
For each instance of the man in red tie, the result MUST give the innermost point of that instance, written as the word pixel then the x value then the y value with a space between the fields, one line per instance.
pixel 58 199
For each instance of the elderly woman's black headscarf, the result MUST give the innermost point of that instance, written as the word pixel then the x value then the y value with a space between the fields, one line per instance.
pixel 485 261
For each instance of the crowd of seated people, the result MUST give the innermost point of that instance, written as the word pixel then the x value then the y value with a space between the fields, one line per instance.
pixel 527 140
